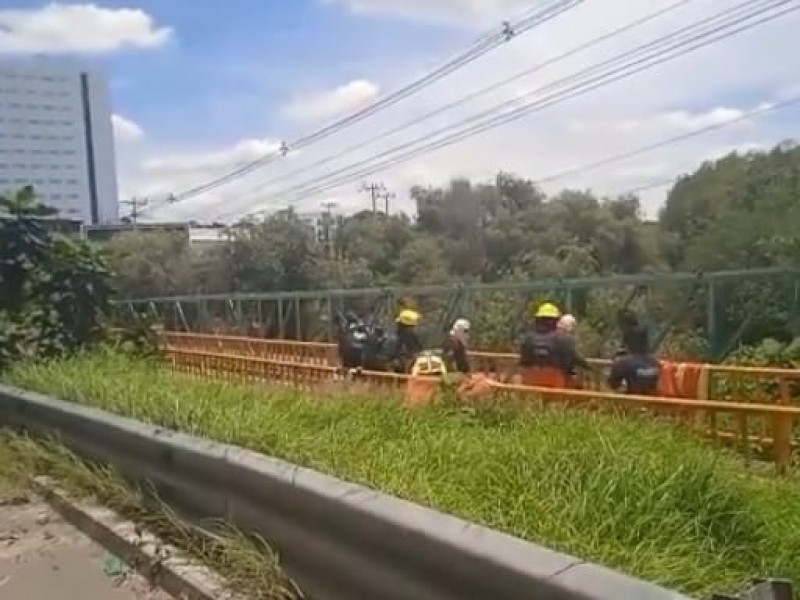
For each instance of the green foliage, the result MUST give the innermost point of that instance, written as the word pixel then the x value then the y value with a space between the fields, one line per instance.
pixel 54 291
pixel 769 353
pixel 140 337
pixel 632 493
pixel 738 212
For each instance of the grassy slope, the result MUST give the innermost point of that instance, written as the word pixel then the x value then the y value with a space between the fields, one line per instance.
pixel 248 565
pixel 636 495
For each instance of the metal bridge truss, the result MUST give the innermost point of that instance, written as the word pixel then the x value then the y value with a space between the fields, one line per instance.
pixel 719 309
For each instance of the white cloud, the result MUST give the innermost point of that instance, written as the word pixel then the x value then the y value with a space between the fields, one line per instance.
pixel 155 173
pixel 456 11
pixel 200 162
pixel 126 130
pixel 322 105
pixel 77 28
pixel 672 99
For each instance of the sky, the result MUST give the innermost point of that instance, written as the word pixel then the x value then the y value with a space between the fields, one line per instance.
pixel 201 88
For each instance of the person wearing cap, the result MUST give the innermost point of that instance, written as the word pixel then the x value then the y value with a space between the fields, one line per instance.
pixel 455 347
pixel 548 356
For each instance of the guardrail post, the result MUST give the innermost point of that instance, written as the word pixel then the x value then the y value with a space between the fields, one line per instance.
pixel 770 589
pixel 782 441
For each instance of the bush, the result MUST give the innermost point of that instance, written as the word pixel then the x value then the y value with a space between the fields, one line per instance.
pixel 54 291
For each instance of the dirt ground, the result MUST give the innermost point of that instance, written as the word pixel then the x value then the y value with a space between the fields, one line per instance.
pixel 42 557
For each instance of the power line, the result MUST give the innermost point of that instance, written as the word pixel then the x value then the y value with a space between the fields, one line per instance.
pixel 493 87
pixel 758 112
pixel 494 117
pixel 732 26
pixel 485 44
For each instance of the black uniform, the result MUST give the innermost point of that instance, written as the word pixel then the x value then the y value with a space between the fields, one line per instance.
pixel 353 345
pixel 553 349
pixel 639 373
pixel 455 355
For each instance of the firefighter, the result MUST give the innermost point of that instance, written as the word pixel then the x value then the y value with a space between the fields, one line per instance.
pixel 455 347
pixel 407 343
pixel 638 370
pixel 548 357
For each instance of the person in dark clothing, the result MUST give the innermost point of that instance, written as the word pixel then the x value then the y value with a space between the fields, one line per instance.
pixel 353 339
pixel 550 351
pixel 455 347
pixel 406 344
pixel 638 370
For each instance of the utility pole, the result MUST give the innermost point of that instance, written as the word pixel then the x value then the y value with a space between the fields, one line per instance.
pixel 327 226
pixel 136 205
pixel 386 196
pixel 377 191
pixel 374 190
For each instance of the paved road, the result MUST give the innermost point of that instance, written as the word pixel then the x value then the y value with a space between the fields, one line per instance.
pixel 44 558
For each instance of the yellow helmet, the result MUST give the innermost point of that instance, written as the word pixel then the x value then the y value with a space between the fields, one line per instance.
pixel 408 317
pixel 547 311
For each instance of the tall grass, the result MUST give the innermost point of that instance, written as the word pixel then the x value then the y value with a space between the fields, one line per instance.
pixel 248 565
pixel 634 494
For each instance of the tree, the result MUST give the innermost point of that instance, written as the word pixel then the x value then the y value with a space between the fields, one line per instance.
pixel 55 291
pixel 737 212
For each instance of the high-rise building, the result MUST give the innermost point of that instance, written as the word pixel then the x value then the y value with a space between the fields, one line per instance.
pixel 56 134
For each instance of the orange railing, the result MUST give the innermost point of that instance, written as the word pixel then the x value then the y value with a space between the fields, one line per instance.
pixel 748 426
pixel 719 382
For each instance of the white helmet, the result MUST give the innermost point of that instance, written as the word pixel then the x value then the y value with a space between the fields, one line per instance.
pixel 567 323
pixel 460 326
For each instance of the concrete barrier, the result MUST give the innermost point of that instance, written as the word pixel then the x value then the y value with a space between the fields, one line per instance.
pixel 340 541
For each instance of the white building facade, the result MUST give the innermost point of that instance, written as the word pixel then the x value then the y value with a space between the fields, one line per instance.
pixel 56 134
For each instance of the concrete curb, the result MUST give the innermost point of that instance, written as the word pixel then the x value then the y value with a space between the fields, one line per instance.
pixel 160 564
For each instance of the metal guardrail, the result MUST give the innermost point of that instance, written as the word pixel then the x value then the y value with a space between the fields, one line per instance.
pixel 770 589
pixel 323 353
pixel 340 541
pixel 745 425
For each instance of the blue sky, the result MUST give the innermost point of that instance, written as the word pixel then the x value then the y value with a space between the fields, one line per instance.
pixel 199 88
pixel 231 69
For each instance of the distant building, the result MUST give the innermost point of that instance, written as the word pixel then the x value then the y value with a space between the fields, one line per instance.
pixel 103 233
pixel 324 224
pixel 209 237
pixel 56 134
